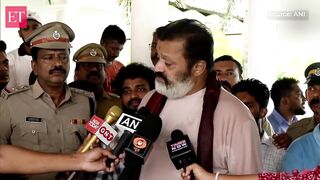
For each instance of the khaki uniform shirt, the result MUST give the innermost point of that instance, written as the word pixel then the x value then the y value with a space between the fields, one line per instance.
pixel 106 102
pixel 30 119
pixel 301 127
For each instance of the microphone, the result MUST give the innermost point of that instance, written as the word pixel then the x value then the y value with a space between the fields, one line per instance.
pixel 101 129
pixel 181 150
pixel 140 144
pixel 125 138
pixel 143 139
pixel 104 130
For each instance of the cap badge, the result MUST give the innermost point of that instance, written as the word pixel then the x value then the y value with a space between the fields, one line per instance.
pixel 56 35
pixel 317 72
pixel 94 53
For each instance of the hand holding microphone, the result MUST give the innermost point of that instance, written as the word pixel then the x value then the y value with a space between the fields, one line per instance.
pixel 181 150
pixel 198 172
pixel 93 160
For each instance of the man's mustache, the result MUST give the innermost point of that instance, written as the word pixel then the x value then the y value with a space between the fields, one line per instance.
pixel 134 99
pixel 161 75
pixel 58 69
pixel 226 83
pixel 315 101
pixel 93 73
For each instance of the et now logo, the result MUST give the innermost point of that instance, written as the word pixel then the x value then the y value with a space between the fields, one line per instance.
pixel 16 16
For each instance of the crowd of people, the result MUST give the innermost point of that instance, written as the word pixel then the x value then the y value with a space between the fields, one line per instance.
pixel 224 115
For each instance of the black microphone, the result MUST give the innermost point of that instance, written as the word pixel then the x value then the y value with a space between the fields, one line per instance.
pixel 180 150
pixel 126 137
pixel 140 145
pixel 143 139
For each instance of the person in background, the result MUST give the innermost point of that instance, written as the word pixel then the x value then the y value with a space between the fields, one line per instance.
pixel 256 99
pixel 112 39
pixel 155 37
pixel 190 98
pixel 4 66
pixel 20 59
pixel 228 71
pixel 312 74
pixel 305 125
pixel 255 95
pixel 89 72
pixel 132 83
pixel 288 102
pixel 42 121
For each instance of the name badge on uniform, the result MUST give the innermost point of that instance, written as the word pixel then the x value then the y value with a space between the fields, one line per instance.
pixel 33 119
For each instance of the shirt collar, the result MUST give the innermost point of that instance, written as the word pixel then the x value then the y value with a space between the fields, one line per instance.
pixel 37 91
pixel 281 120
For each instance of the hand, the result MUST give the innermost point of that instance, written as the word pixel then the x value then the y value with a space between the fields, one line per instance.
pixel 198 171
pixel 85 141
pixel 282 140
pixel 94 160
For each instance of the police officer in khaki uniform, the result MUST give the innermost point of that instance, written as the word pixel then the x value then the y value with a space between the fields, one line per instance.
pixel 312 74
pixel 90 68
pixel 38 117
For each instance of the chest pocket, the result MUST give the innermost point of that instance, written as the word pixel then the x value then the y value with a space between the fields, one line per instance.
pixel 34 135
pixel 75 135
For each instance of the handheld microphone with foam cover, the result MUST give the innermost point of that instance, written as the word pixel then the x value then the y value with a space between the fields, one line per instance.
pixel 111 117
pixel 181 150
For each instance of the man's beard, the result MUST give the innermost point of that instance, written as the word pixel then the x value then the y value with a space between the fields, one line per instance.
pixel 129 111
pixel 299 111
pixel 174 88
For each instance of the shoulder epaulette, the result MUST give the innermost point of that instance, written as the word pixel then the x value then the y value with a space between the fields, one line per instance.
pixel 114 95
pixel 84 92
pixel 302 122
pixel 5 93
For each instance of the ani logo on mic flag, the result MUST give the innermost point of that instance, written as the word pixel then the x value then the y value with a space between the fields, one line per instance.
pixel 101 129
pixel 128 122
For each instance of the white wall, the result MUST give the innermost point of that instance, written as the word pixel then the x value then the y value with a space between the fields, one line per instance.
pixel 146 17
